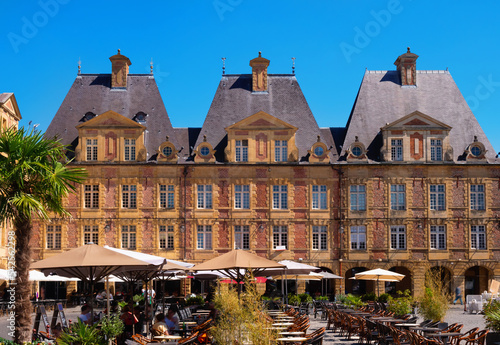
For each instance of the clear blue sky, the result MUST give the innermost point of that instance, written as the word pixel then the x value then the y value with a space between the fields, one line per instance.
pixel 333 42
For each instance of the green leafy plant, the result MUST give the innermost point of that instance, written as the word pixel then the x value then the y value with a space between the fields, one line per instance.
pixel 195 300
pixel 122 304
pixel 492 315
pixel 293 299
pixel 434 302
pixel 322 298
pixel 81 334
pixel 401 305
pixel 369 297
pixel 112 327
pixel 305 297
pixel 354 301
pixel 341 298
pixel 383 298
pixel 138 299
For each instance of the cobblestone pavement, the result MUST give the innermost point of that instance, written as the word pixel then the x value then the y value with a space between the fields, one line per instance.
pixel 454 314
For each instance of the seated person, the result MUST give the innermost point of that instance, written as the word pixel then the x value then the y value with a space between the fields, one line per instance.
pixel 129 319
pixel 85 316
pixel 160 327
pixel 171 320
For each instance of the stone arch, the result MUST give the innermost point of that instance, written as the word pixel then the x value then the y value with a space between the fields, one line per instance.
pixel 357 287
pixel 405 284
pixel 476 280
pixel 444 273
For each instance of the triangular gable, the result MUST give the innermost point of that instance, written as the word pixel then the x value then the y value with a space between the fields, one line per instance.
pixel 261 121
pixel 10 105
pixel 110 118
pixel 416 120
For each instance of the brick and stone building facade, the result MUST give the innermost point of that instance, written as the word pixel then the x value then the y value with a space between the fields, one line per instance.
pixel 409 184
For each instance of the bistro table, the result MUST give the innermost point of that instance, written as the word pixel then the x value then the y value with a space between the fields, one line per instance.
pixel 407 325
pixel 292 340
pixel 445 335
pixel 285 324
pixel 291 334
pixel 168 337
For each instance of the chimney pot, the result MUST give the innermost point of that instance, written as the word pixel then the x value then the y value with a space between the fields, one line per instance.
pixel 407 67
pixel 259 73
pixel 119 70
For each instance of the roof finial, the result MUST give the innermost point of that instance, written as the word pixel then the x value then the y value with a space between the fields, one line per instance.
pixel 79 66
pixel 204 138
pixel 151 67
pixel 293 65
pixel 356 138
pixel 319 138
pixel 260 54
pixel 119 51
pixel 475 138
pixel 167 137
pixel 408 50
pixel 223 65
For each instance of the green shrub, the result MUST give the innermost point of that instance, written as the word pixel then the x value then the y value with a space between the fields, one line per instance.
pixel 112 327
pixel 81 334
pixel 195 300
pixel 322 298
pixel 434 302
pixel 369 297
pixel 293 299
pixel 305 297
pixel 341 298
pixel 354 301
pixel 383 298
pixel 402 304
pixel 492 315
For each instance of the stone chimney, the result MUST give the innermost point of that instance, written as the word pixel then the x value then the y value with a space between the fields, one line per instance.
pixel 119 70
pixel 407 67
pixel 259 73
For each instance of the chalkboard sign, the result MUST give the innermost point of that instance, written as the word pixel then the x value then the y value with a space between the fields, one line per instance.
pixel 64 321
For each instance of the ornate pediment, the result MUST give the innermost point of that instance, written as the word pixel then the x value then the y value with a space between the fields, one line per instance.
pixel 416 121
pixel 110 119
pixel 261 121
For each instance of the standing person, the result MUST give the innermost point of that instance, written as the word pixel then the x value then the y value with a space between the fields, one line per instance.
pixel 458 295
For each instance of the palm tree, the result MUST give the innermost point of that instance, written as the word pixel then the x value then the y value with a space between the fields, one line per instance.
pixel 34 179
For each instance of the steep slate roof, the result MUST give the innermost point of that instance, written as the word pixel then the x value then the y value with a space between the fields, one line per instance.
pixel 234 101
pixel 5 96
pixel 93 93
pixel 382 100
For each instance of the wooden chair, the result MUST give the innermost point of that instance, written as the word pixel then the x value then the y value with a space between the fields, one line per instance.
pixel 189 340
pixel 478 339
pixel 466 336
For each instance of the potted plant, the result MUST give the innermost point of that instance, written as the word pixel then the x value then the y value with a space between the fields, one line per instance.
pixel 81 334
pixel 434 303
pixel 400 305
pixel 111 328
pixel 492 320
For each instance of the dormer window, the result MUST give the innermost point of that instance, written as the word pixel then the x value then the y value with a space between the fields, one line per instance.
pixel 204 151
pixel 140 117
pixel 129 150
pixel 318 151
pixel 436 150
pixel 280 151
pixel 88 116
pixel 397 149
pixel 357 151
pixel 167 151
pixel 241 150
pixel 475 151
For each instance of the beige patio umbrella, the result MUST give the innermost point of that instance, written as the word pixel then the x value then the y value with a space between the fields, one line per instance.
pixel 379 274
pixel 236 264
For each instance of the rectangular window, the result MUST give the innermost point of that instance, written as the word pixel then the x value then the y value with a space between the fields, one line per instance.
pixel 129 196
pixel 204 237
pixel 358 237
pixel 478 237
pixel 130 149
pixel 242 196
pixel 280 197
pixel 437 197
pixel 167 196
pixel 280 150
pixel 319 239
pixel 477 197
pixel 436 150
pixel 91 149
pixel 128 237
pixel 438 237
pixel 242 150
pixel 241 237
pixel 398 197
pixel 358 197
pixel 205 196
pixel 398 237
pixel 319 200
pixel 53 237
pixel 397 149
pixel 91 234
pixel 280 236
pixel 91 196
pixel 166 237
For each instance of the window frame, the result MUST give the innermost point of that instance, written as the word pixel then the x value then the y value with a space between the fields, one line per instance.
pixel 477 197
pixel 437 239
pixel 242 237
pixel 436 150
pixel 358 237
pixel 319 197
pixel 397 149
pixel 91 196
pixel 128 236
pixel 166 196
pixel 357 195
pixel 166 237
pixel 91 234
pixel 437 197
pixel 242 196
pixel 280 197
pixel 398 237
pixel 398 197
pixel 319 237
pixel 204 200
pixel 280 236
pixel 53 237
pixel 129 196
pixel 204 239
pixel 241 150
pixel 92 149
pixel 478 239
pixel 129 152
pixel 281 150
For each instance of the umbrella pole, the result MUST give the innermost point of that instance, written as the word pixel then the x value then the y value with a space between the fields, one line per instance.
pixel 107 296
pixel 378 292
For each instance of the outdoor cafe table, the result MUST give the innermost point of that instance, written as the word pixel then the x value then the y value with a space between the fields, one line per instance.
pixel 286 324
pixel 426 330
pixel 445 335
pixel 292 340
pixel 168 337
pixel 291 334
pixel 407 325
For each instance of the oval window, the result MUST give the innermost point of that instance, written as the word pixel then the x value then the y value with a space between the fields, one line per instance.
pixel 356 151
pixel 167 151
pixel 204 151
pixel 475 150
pixel 318 151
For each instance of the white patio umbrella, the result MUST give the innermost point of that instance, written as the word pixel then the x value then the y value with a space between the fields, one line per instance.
pixel 379 274
pixel 40 277
pixel 326 277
